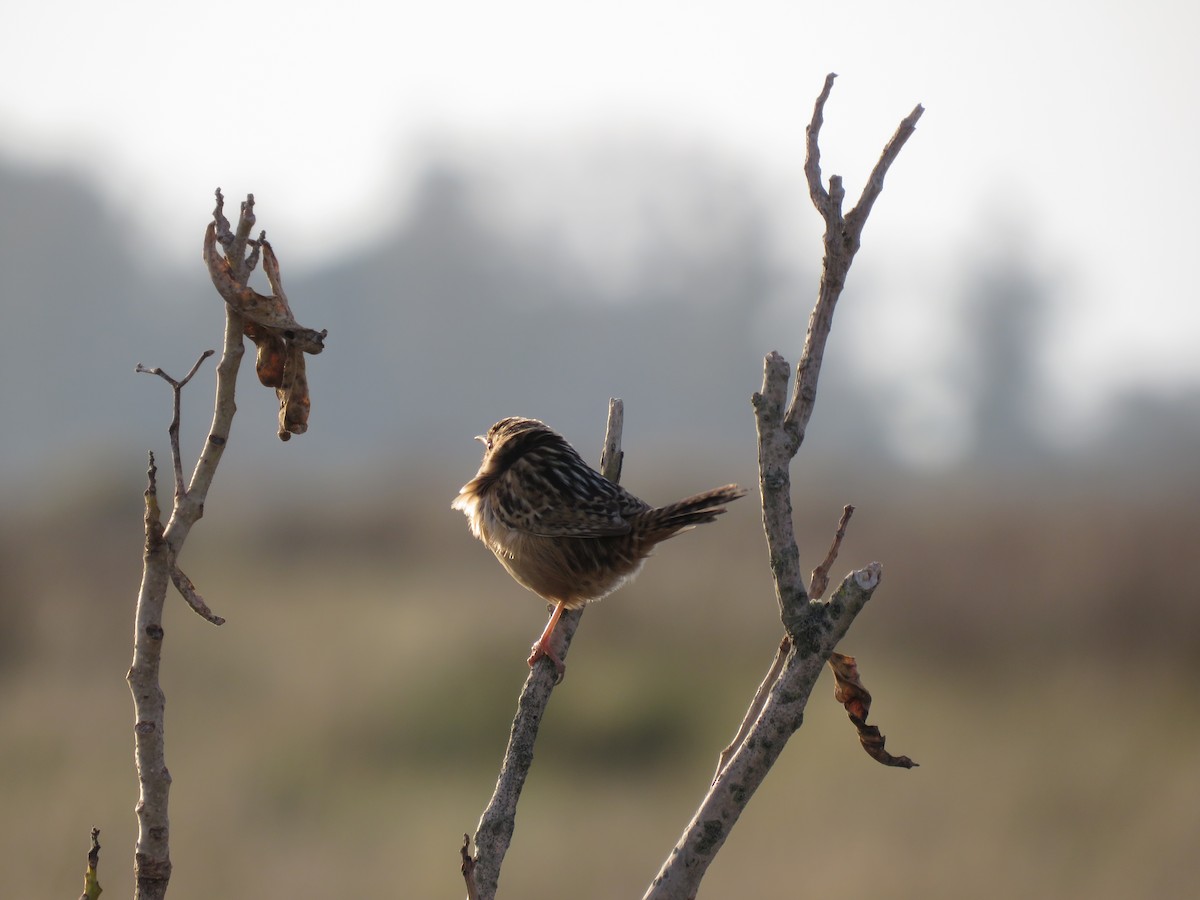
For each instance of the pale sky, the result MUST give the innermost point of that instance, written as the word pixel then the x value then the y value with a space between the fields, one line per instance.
pixel 1081 116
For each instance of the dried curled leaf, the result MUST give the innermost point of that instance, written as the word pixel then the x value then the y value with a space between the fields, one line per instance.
pixel 269 312
pixel 851 693
pixel 281 342
pixel 294 402
pixel 271 351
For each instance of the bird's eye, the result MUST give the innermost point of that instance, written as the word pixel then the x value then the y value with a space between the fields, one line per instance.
pixel 488 443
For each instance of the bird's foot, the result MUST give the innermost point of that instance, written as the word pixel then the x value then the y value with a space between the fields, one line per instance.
pixel 541 650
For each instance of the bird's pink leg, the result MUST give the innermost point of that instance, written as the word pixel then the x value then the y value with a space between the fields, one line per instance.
pixel 541 647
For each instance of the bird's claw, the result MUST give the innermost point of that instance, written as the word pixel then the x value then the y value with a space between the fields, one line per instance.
pixel 541 651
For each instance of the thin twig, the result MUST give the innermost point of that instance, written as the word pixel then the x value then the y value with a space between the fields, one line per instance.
pixel 494 833
pixel 843 236
pixel 874 186
pixel 188 591
pixel 173 429
pixel 756 705
pixel 812 155
pixel 820 575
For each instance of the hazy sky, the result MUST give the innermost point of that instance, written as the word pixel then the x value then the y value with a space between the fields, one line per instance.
pixel 1078 121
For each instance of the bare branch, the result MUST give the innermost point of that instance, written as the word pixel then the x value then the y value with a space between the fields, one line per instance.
pixel 778 441
pixel 812 155
pixel 224 407
pixel 874 186
pixel 494 833
pixel 233 243
pixel 842 239
pixel 152 860
pixel 812 627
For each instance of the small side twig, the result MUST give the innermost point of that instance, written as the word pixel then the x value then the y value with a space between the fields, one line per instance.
pixel 781 713
pixel 173 430
pixel 182 583
pixel 188 591
pixel 819 580
pixel 756 706
pixel 494 833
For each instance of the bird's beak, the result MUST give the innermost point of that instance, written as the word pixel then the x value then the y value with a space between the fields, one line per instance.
pixel 481 438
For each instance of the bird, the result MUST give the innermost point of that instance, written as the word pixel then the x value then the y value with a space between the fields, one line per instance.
pixel 562 529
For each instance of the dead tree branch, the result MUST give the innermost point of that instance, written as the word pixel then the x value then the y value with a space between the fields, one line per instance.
pixel 812 628
pixel 494 833
pixel 163 543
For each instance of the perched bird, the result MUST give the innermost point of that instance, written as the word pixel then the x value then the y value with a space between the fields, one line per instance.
pixel 561 528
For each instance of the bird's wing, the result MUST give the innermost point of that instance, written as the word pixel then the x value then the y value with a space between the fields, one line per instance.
pixel 557 501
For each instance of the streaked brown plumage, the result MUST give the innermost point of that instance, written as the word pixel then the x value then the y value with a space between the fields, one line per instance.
pixel 559 527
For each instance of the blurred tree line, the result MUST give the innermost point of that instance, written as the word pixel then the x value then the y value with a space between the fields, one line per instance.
pixel 465 311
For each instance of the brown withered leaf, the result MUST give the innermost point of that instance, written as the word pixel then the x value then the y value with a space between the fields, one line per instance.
pixel 271 350
pixel 270 312
pixel 851 693
pixel 281 342
pixel 293 397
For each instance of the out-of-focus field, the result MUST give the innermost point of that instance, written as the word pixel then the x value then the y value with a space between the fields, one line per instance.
pixel 1035 646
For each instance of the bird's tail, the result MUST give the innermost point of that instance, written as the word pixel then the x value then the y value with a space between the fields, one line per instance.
pixel 675 517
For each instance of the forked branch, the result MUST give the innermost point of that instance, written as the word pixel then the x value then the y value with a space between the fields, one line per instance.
pixel 163 543
pixel 812 628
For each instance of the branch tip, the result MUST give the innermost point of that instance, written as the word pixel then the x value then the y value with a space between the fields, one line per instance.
pixel 195 368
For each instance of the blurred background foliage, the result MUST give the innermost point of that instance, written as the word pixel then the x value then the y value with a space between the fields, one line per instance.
pixel 1034 645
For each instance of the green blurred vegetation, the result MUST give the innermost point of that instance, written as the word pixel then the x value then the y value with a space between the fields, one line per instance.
pixel 1034 646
